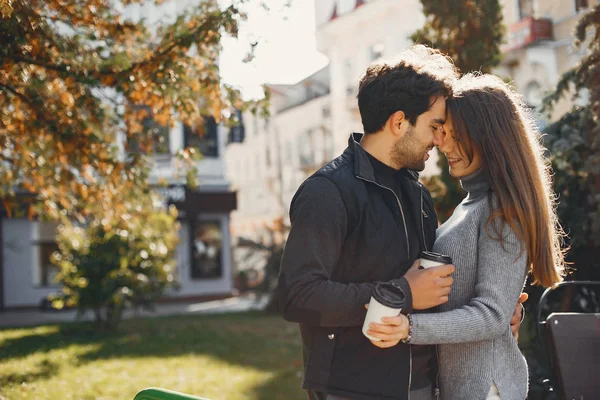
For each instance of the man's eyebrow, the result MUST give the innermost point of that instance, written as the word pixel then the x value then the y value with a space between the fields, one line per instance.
pixel 440 121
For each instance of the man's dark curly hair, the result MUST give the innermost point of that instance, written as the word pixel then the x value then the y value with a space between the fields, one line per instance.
pixel 406 83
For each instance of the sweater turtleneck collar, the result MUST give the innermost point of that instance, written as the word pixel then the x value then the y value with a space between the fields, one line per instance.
pixel 476 184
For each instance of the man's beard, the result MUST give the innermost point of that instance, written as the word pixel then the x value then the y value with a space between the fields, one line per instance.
pixel 408 152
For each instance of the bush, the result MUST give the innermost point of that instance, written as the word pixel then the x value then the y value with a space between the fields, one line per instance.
pixel 122 260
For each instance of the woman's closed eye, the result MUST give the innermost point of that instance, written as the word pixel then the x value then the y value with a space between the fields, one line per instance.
pixel 449 134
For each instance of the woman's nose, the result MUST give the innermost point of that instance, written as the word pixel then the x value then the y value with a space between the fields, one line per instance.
pixel 438 138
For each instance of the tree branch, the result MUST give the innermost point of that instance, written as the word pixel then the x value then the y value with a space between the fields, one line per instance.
pixel 13 91
pixel 5 158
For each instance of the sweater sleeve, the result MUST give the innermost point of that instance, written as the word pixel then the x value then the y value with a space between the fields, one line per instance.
pixel 501 271
pixel 308 295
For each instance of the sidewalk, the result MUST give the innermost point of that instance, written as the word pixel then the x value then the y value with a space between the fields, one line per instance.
pixel 36 317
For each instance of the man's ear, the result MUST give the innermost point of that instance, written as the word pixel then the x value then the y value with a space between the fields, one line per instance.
pixel 396 122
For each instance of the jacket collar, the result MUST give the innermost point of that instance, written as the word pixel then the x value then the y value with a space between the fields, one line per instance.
pixel 362 166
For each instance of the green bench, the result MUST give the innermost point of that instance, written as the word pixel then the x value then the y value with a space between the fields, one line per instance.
pixel 164 394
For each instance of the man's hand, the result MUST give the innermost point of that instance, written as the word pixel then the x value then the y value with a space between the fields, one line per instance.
pixel 391 332
pixel 430 287
pixel 515 321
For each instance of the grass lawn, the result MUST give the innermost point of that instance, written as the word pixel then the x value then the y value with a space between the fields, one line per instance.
pixel 220 357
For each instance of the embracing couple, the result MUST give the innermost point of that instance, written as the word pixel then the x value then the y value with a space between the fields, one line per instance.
pixel 364 219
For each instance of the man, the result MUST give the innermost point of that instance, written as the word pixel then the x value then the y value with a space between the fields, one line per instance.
pixel 365 218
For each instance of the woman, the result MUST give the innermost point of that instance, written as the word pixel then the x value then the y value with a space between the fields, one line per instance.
pixel 505 228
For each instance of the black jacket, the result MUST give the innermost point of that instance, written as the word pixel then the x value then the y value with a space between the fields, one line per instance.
pixel 347 233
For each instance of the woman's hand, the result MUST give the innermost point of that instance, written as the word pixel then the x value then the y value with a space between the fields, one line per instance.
pixel 517 318
pixel 391 332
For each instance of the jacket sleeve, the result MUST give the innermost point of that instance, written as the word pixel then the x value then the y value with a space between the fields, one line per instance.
pixel 501 272
pixel 319 225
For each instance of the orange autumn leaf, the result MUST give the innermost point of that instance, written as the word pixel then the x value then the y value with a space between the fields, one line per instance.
pixel 67 99
pixel 28 186
pixel 84 192
pixel 65 102
pixel 63 202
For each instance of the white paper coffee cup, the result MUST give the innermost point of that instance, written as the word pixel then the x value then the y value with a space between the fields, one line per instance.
pixel 430 259
pixel 387 301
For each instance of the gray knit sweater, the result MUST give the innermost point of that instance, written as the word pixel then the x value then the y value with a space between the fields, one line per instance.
pixel 472 330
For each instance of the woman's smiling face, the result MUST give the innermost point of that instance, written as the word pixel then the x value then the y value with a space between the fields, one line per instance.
pixel 458 161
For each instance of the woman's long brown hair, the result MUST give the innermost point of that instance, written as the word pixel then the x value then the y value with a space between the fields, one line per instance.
pixel 489 117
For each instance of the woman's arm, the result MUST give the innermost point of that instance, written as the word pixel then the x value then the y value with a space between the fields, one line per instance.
pixel 500 277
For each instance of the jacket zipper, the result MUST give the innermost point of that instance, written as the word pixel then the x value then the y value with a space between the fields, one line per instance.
pixel 437 375
pixel 427 249
pixel 437 355
pixel 399 205
pixel 408 251
pixel 423 223
pixel 409 368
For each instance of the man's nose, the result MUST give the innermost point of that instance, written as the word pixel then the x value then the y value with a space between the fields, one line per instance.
pixel 438 138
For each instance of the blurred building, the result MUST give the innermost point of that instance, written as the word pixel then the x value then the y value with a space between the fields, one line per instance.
pixel 204 250
pixel 311 120
pixel 204 255
pixel 308 127
pixel 539 46
pixel 538 49
pixel 275 155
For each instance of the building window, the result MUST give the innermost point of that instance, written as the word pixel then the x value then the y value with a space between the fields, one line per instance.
pixel 268 157
pixel 204 137
pixel 534 98
pixel 48 271
pixel 525 8
pixel 534 95
pixel 237 132
pixel 45 246
pixel 376 51
pixel 207 250
pixel 581 5
pixel 349 77
pixel 255 125
pixel 159 134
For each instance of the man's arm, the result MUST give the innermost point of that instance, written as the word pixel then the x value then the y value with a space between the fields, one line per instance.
pixel 307 293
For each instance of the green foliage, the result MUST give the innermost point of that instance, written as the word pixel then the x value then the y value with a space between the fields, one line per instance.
pixel 470 32
pixel 574 145
pixel 109 264
pixel 574 150
pixel 575 155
